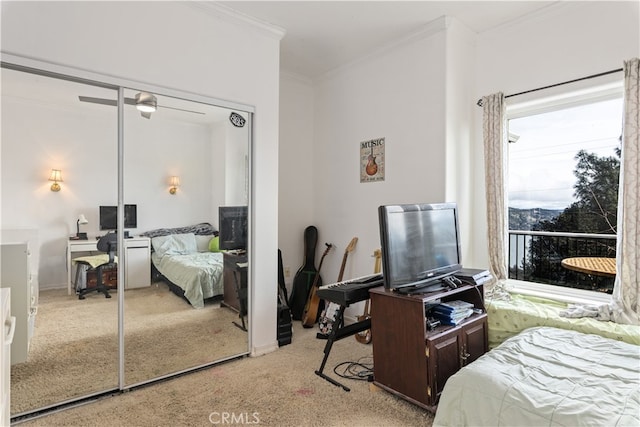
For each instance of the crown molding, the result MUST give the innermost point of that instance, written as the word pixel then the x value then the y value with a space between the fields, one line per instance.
pixel 297 77
pixel 549 9
pixel 431 28
pixel 230 15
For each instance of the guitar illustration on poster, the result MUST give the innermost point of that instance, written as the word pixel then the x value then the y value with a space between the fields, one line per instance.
pixel 372 160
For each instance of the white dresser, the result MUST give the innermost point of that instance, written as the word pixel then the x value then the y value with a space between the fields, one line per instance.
pixel 16 275
pixel 8 329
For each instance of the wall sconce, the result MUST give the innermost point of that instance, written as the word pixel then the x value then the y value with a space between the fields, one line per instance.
pixel 175 183
pixel 81 220
pixel 56 177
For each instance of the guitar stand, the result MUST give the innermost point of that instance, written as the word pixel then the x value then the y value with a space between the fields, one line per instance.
pixel 338 332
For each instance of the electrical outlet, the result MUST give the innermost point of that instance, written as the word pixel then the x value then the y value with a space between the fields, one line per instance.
pixel 287 272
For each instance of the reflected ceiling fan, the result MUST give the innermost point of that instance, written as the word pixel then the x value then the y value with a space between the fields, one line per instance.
pixel 145 102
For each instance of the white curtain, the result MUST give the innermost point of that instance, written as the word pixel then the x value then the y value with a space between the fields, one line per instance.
pixel 625 305
pixel 494 130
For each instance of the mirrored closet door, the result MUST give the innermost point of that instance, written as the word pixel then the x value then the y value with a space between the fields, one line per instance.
pixel 183 161
pixel 176 187
pixel 59 161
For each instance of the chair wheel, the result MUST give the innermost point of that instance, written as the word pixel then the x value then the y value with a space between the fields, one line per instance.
pixel 80 296
pixel 107 295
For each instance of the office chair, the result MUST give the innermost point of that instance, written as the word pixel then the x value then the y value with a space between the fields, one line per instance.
pixel 109 245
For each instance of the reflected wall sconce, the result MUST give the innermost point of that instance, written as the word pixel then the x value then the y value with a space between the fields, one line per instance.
pixel 81 220
pixel 56 177
pixel 175 183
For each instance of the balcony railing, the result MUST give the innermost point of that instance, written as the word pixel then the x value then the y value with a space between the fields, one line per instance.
pixel 536 256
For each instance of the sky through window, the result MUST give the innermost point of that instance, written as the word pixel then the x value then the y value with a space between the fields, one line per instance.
pixel 542 161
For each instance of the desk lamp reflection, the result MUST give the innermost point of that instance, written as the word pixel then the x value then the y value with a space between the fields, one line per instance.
pixel 81 220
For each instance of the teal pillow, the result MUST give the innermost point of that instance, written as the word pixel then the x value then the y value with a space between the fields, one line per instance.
pixel 214 245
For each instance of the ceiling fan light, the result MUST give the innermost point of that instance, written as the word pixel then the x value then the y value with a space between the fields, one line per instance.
pixel 146 102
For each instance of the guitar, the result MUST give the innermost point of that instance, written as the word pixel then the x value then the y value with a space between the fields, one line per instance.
pixel 303 278
pixel 310 312
pixel 371 167
pixel 364 337
pixel 329 314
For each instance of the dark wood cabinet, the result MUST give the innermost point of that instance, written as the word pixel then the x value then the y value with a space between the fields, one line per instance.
pixel 412 361
pixel 109 277
pixel 451 350
pixel 234 269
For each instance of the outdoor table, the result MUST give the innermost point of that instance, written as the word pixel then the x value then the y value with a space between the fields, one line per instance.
pixel 597 266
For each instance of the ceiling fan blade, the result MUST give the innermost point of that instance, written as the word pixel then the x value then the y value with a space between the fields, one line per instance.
pixel 102 101
pixel 129 101
pixel 180 109
pixel 105 101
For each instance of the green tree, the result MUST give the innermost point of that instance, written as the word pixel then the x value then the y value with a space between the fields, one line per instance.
pixel 596 191
pixel 594 211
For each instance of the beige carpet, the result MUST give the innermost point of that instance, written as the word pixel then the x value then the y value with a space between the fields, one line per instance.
pixel 74 350
pixel 277 389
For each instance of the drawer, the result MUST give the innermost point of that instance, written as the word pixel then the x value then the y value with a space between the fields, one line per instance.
pixel 84 247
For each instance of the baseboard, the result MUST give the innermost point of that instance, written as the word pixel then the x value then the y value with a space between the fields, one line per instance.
pixel 51 286
pixel 261 351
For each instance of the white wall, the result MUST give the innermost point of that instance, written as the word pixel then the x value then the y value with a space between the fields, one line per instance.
pixel 193 48
pixel 82 143
pixel 296 201
pixel 562 43
pixel 397 94
pixel 236 164
pixel 421 96
pixel 459 109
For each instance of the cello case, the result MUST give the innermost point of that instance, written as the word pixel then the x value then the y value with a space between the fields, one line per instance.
pixel 305 276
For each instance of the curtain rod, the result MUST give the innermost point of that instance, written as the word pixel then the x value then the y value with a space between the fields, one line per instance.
pixel 479 103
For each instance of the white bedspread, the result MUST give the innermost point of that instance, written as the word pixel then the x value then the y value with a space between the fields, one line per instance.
pixel 199 274
pixel 546 376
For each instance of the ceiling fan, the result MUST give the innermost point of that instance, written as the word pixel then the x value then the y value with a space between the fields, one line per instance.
pixel 145 102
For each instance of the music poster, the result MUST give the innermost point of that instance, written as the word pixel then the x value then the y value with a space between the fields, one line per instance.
pixel 372 160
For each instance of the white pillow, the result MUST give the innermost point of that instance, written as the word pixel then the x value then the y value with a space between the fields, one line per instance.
pixel 202 242
pixel 175 244
pixel 157 242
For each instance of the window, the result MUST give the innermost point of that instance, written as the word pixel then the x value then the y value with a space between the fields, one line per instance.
pixel 563 170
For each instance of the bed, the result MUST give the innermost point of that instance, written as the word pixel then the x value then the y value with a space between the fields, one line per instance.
pixel 183 259
pixel 546 376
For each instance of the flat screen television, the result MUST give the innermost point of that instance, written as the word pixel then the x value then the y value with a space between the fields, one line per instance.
pixel 233 227
pixel 109 217
pixel 420 244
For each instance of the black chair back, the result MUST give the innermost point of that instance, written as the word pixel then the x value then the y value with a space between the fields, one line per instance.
pixel 108 244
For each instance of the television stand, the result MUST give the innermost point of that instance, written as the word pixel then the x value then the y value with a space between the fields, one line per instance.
pixel 413 358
